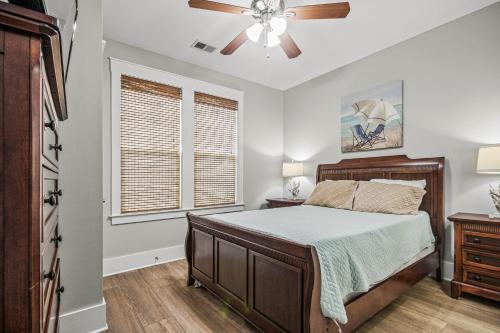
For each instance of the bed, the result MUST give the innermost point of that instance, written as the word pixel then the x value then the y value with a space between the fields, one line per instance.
pixel 274 279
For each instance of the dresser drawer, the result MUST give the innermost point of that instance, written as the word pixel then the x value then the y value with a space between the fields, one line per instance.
pixel 482 278
pixel 50 139
pixel 50 313
pixel 49 264
pixel 481 259
pixel 51 193
pixel 482 240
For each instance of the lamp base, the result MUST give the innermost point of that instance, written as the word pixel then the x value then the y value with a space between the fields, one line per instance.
pixel 494 216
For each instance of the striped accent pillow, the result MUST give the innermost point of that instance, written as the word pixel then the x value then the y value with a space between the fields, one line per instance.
pixel 388 198
pixel 333 194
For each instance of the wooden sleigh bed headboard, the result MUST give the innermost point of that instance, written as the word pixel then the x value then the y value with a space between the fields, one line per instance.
pixel 397 167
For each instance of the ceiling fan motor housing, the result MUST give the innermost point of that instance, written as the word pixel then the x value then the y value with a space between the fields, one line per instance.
pixel 261 8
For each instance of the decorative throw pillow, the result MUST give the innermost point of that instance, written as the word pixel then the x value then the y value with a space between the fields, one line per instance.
pixel 387 198
pixel 333 194
pixel 417 183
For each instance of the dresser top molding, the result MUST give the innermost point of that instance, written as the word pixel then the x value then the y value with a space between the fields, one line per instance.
pixel 26 20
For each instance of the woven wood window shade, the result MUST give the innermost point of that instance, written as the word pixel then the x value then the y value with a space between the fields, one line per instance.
pixel 150 142
pixel 215 150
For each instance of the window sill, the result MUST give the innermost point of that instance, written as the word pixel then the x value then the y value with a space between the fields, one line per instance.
pixel 172 214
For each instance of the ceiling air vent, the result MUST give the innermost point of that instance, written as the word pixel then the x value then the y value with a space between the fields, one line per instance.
pixel 203 46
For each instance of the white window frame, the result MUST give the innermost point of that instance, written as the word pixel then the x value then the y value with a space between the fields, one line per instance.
pixel 189 86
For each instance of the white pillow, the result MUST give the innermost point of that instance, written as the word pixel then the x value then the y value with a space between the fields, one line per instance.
pixel 415 183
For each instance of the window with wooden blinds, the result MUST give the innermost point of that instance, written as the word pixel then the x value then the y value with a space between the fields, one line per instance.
pixel 215 150
pixel 150 145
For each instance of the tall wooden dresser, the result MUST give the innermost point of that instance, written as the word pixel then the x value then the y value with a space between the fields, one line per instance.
pixel 32 103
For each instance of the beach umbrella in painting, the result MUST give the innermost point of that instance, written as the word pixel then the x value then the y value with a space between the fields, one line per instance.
pixel 376 111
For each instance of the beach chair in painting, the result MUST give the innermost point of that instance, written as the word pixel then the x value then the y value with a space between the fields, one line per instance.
pixel 359 137
pixel 377 135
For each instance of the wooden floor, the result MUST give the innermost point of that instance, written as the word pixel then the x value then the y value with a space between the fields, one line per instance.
pixel 156 299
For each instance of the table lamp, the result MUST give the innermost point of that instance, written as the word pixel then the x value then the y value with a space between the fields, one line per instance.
pixel 291 170
pixel 488 162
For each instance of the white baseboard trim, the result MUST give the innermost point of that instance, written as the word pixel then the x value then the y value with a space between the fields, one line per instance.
pixel 447 270
pixel 130 262
pixel 91 319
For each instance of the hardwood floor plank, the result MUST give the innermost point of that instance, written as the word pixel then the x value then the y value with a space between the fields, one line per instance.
pixel 156 299
pixel 120 315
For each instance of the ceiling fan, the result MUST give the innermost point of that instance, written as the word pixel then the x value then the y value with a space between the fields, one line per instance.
pixel 271 17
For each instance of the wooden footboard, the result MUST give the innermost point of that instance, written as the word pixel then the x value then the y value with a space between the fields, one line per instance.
pixel 269 281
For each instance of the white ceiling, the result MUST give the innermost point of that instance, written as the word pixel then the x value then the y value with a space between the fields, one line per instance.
pixel 169 27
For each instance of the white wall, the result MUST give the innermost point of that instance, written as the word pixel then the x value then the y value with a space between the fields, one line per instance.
pixel 451 105
pixel 263 150
pixel 81 178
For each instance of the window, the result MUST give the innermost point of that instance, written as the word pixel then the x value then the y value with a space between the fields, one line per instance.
pixel 175 145
pixel 150 145
pixel 215 147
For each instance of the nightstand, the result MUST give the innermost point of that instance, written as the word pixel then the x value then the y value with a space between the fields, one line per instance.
pixel 477 256
pixel 284 202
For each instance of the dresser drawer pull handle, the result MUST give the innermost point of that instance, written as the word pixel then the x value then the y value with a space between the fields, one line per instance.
pixel 60 290
pixel 50 275
pixel 477 258
pixel 56 193
pixel 56 147
pixel 477 277
pixel 56 239
pixel 51 200
pixel 476 240
pixel 51 124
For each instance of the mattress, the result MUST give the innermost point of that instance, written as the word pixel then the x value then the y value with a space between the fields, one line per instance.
pixel 356 250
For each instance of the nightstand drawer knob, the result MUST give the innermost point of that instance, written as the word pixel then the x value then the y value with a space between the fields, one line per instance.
pixel 476 240
pixel 477 258
pixel 477 277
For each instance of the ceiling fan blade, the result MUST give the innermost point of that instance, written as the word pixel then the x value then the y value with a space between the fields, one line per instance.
pixel 289 46
pixel 235 43
pixel 316 12
pixel 216 6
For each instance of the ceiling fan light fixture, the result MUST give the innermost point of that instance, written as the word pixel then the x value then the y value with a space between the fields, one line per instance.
pixel 260 5
pixel 254 32
pixel 279 25
pixel 272 39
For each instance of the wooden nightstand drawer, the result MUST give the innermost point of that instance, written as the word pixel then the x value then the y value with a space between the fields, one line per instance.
pixel 481 259
pixel 482 240
pixel 482 278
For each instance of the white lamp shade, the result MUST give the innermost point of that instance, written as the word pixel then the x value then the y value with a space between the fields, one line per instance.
pixel 254 32
pixel 279 25
pixel 488 159
pixel 293 170
pixel 273 39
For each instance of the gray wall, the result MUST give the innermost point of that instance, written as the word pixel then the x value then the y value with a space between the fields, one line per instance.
pixel 263 148
pixel 451 105
pixel 81 166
